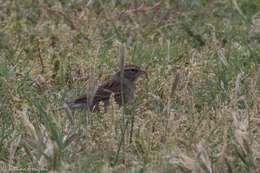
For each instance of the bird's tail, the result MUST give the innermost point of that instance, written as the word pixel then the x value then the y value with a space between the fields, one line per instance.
pixel 74 104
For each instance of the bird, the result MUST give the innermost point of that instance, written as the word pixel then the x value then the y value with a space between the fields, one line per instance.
pixel 122 85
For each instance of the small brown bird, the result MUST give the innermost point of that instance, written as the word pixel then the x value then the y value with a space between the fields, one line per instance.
pixel 116 85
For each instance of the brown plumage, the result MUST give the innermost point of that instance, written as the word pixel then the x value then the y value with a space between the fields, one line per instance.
pixel 103 93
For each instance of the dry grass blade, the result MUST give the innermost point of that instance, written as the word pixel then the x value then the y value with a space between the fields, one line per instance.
pixel 68 112
pixel 241 132
pixel 123 124
pixel 183 161
pixel 69 139
pixel 238 82
pixel 236 6
pixel 91 90
pixel 255 28
pixel 13 147
pixel 48 152
pixel 203 161
pixel 175 83
pixel 29 126
pixel 122 64
pixel 121 57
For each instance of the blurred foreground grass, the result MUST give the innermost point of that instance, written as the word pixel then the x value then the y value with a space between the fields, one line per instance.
pixel 49 49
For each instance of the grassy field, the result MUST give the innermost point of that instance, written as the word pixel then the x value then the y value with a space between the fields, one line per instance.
pixel 50 50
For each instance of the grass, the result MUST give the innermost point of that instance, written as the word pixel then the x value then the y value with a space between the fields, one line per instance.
pixel 50 50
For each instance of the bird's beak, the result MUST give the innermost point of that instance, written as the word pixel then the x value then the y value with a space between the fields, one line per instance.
pixel 145 73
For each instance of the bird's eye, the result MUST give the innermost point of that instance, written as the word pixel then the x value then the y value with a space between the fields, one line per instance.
pixel 133 70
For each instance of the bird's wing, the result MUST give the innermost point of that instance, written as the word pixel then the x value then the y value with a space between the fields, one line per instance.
pixel 103 94
pixel 112 86
pixel 115 87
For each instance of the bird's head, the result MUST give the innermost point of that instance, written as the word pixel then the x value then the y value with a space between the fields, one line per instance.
pixel 132 72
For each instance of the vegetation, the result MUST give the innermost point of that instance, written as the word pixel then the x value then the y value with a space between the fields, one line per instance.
pixel 209 123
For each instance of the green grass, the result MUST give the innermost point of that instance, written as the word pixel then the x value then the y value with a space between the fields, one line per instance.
pixel 50 49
